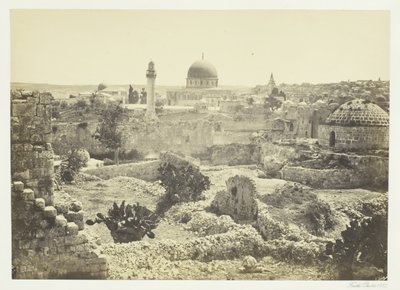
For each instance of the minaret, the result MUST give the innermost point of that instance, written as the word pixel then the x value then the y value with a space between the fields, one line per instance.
pixel 271 80
pixel 271 84
pixel 151 79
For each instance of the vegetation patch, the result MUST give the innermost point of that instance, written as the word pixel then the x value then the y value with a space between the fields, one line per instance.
pixel 182 184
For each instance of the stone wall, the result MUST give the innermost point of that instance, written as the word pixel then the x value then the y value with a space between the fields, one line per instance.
pixel 231 154
pixel 46 237
pixel 363 171
pixel 146 170
pixel 75 135
pixel 186 137
pixel 142 170
pixel 357 137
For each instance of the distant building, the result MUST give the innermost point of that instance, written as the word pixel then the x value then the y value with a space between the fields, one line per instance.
pixel 201 86
pixel 357 124
pixel 202 74
pixel 271 85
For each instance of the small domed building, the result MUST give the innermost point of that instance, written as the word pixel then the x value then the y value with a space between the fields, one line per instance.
pixel 356 124
pixel 202 74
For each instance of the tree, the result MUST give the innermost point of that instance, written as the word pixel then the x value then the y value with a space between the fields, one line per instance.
pixel 107 131
pixel 250 101
pixel 272 103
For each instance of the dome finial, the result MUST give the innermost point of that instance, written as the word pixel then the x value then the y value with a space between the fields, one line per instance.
pixel 202 56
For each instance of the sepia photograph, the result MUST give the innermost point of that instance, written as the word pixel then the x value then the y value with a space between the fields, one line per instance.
pixel 218 144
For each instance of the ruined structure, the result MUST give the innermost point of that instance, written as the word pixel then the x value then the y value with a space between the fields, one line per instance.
pixel 299 120
pixel 357 124
pixel 46 237
pixel 238 201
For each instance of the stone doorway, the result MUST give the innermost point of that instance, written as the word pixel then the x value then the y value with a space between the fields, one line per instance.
pixel 332 139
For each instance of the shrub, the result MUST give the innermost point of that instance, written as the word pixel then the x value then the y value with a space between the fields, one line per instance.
pixel 108 162
pixel 64 105
pixel 321 217
pixel 81 104
pixel 131 155
pixel 75 160
pixel 128 223
pixel 182 184
pixel 363 246
pixel 289 194
pixel 83 125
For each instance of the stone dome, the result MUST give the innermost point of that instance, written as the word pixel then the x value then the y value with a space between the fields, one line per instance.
pixel 358 112
pixel 202 69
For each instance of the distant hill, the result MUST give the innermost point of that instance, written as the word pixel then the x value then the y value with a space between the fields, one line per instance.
pixel 63 91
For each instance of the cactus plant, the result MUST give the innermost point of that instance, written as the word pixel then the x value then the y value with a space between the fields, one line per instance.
pixel 128 223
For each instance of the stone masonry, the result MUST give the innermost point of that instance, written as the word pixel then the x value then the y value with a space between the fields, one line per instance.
pixel 238 201
pixel 47 241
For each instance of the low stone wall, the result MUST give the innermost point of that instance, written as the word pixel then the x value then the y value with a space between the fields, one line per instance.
pixel 147 170
pixel 363 176
pixel 322 178
pixel 143 170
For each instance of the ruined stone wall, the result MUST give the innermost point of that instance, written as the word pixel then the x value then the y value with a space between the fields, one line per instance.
pixel 75 135
pixel 357 137
pixel 186 137
pixel 46 237
pixel 235 154
pixel 363 171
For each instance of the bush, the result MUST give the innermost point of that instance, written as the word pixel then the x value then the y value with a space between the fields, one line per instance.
pixel 83 125
pixel 75 160
pixel 362 251
pixel 131 155
pixel 289 194
pixel 182 184
pixel 108 162
pixel 321 217
pixel 81 104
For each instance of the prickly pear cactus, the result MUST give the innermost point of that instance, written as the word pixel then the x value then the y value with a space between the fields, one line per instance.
pixel 128 223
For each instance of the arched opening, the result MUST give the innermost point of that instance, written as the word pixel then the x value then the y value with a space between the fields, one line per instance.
pixel 332 139
pixel 291 127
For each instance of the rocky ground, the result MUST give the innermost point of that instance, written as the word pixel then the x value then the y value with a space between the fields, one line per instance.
pixel 207 246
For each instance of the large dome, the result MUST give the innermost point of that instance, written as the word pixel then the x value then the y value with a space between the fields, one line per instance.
pixel 359 112
pixel 202 69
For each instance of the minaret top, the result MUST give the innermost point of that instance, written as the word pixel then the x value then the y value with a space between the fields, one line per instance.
pixel 151 65
pixel 151 72
pixel 271 79
pixel 202 56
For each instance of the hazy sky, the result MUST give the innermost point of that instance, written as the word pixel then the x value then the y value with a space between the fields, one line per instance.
pixel 114 46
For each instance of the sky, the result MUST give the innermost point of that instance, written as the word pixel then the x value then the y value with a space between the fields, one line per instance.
pixel 115 46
